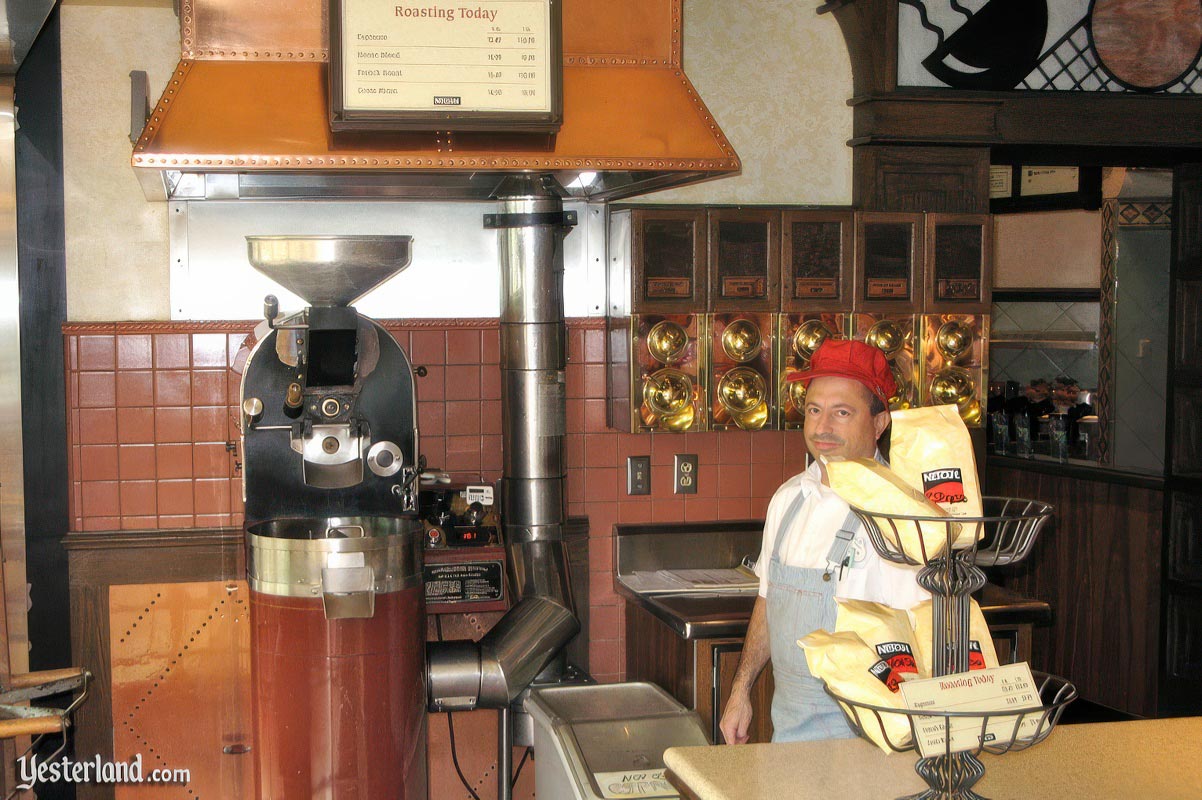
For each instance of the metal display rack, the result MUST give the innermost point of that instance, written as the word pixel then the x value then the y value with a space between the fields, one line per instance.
pixel 951 552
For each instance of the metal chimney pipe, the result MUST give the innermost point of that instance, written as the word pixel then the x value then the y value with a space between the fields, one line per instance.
pixel 494 671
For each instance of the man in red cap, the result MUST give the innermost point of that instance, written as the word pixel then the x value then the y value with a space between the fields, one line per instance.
pixel 814 549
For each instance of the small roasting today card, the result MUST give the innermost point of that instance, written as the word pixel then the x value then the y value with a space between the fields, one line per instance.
pixel 996 693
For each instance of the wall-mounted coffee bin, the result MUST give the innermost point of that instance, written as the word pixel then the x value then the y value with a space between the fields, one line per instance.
pixel 954 363
pixel 742 391
pixel 742 295
pixel 798 336
pixel 666 374
pixel 888 263
pixel 817 264
pixel 958 274
pixel 665 254
pixel 744 259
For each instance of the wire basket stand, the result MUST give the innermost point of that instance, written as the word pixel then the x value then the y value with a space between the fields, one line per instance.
pixel 950 552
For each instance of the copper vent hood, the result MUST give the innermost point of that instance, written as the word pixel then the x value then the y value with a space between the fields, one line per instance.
pixel 245 115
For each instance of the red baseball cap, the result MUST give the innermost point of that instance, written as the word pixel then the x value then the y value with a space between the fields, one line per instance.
pixel 847 358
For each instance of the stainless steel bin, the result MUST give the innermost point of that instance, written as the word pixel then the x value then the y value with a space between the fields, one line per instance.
pixel 607 742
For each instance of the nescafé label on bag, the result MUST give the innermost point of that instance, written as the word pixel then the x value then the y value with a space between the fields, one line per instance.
pixel 976 657
pixel 944 486
pixel 896 664
pixel 884 673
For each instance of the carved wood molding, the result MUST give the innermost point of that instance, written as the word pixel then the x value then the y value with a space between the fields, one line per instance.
pixel 950 117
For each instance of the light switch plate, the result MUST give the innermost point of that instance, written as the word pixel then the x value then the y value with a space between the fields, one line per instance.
pixel 638 475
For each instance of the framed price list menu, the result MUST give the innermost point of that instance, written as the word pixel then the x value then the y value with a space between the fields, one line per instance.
pixel 477 65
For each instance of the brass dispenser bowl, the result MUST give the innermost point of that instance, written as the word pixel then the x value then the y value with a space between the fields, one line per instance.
pixel 741 390
pixel 754 419
pixel 901 400
pixel 678 422
pixel 952 385
pixel 953 339
pixel 666 341
pixel 741 340
pixel 886 336
pixel 668 392
pixel 809 335
pixel 797 394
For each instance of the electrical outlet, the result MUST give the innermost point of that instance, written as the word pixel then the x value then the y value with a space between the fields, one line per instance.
pixel 686 474
pixel 638 475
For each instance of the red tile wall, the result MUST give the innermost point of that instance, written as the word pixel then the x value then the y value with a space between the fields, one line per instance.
pixel 153 431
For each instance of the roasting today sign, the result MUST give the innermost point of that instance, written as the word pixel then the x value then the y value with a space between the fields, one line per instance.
pixel 484 64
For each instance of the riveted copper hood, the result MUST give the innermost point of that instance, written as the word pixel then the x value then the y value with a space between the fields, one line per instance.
pixel 248 101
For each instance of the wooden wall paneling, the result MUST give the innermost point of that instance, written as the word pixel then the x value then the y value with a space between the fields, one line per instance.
pixel 655 653
pixel 932 179
pixel 882 286
pixel 1157 130
pixel 1098 564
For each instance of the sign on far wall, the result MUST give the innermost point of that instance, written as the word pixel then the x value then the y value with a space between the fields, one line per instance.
pixel 1082 45
pixel 486 65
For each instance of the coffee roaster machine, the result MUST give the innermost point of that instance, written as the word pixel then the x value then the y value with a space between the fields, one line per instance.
pixel 333 538
pixel 342 675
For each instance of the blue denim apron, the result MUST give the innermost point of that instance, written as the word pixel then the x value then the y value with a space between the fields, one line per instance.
pixel 799 602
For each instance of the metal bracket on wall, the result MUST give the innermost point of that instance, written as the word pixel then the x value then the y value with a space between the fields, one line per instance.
pixel 562 219
pixel 139 103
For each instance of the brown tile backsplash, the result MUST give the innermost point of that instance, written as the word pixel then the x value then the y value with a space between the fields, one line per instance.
pixel 153 426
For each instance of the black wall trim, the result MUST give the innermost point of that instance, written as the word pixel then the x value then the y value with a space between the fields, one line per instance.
pixel 1047 295
pixel 41 265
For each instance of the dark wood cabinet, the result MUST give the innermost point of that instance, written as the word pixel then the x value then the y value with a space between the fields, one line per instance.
pixel 1182 666
pixel 888 263
pixel 668 260
pixel 816 260
pixel 697 672
pixel 744 259
pixel 958 275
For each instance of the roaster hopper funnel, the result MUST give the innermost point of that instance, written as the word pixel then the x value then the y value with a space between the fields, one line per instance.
pixel 329 270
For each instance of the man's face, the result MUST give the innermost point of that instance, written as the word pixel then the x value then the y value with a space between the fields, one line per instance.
pixel 839 419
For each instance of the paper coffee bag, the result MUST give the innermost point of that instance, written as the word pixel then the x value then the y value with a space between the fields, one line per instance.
pixel 852 670
pixel 874 488
pixel 887 631
pixel 981 653
pixel 930 449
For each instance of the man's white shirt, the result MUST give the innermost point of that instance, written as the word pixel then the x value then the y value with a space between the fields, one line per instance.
pixel 808 541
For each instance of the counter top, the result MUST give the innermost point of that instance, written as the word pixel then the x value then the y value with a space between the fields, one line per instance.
pixel 710 615
pixel 1106 761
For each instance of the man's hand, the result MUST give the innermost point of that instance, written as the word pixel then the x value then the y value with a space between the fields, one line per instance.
pixel 736 718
